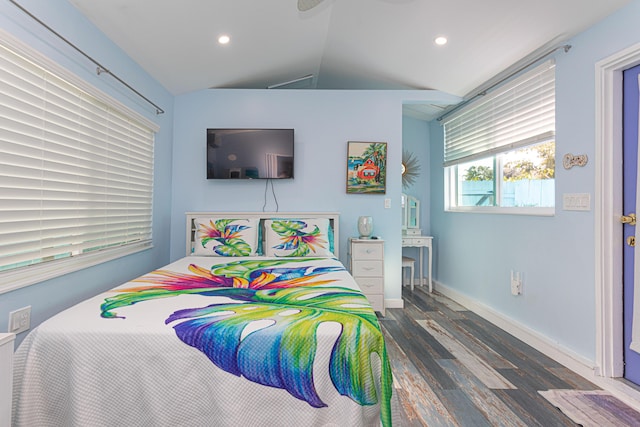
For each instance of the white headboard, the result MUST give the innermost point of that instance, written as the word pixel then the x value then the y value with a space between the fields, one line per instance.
pixel 334 222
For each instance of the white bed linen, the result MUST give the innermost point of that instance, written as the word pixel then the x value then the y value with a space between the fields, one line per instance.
pixel 80 369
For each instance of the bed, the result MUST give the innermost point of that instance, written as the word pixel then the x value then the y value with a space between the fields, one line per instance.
pixel 258 325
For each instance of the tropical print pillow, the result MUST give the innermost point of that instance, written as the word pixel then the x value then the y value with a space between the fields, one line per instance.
pixel 297 237
pixel 226 237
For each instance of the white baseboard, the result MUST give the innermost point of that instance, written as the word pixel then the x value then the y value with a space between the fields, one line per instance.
pixel 578 364
pixel 394 303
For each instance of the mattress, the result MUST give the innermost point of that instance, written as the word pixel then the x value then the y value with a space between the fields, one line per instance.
pixel 209 341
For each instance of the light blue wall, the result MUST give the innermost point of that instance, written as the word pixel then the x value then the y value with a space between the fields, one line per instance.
pixel 415 140
pixel 324 121
pixel 52 296
pixel 475 252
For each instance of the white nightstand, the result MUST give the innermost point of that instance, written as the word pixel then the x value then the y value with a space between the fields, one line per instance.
pixel 6 377
pixel 366 260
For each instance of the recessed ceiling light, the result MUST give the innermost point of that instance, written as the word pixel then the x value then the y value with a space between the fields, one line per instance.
pixel 440 40
pixel 224 39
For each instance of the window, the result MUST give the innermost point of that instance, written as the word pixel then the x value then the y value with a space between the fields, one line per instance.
pixel 500 150
pixel 76 172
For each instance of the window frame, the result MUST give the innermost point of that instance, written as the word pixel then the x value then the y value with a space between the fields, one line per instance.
pixel 451 194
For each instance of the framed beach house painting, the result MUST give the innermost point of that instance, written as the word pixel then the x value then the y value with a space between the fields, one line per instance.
pixel 366 167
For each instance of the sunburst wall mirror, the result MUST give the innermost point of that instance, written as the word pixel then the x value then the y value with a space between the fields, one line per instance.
pixel 410 169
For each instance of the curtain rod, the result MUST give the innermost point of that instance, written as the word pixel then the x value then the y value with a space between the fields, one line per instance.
pixel 483 92
pixel 100 68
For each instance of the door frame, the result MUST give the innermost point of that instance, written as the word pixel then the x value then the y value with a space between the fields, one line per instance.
pixel 608 209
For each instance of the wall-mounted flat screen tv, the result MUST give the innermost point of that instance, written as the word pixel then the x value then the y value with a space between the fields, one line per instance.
pixel 249 153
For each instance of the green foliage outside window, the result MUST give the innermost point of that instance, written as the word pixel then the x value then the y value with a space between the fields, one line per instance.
pixel 479 173
pixel 525 167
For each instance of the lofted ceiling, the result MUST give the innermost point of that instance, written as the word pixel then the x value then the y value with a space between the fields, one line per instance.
pixel 339 44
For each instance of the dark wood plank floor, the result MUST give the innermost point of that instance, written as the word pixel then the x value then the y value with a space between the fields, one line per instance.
pixel 453 368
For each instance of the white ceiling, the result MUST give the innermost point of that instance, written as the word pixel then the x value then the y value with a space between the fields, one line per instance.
pixel 343 44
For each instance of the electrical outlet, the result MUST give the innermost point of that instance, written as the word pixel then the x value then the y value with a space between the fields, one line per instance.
pixel 516 283
pixel 20 320
pixel 516 288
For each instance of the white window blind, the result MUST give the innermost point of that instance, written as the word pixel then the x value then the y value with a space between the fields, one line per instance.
pixel 76 168
pixel 521 112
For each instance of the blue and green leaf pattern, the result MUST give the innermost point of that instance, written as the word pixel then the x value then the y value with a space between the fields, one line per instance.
pixel 281 353
pixel 295 239
pixel 227 235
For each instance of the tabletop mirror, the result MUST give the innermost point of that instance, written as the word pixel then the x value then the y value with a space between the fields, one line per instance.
pixel 410 215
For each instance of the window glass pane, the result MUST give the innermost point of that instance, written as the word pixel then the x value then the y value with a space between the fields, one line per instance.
pixel 525 179
pixel 476 183
pixel 528 176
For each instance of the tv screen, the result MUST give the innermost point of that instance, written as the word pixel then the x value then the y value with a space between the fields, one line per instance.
pixel 249 153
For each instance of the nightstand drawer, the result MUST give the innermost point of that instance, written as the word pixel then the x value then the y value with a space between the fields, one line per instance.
pixel 367 268
pixel 366 251
pixel 366 262
pixel 371 285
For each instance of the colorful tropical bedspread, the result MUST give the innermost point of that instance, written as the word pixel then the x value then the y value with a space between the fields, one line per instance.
pixel 210 341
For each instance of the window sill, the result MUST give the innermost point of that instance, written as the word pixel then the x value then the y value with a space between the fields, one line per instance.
pixel 503 211
pixel 25 276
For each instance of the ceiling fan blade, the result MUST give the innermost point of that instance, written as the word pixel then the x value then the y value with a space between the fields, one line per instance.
pixel 304 5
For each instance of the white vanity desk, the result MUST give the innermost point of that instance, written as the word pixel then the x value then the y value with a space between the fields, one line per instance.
pixel 412 234
pixel 422 242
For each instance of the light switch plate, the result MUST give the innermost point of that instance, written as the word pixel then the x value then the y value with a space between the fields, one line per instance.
pixel 576 201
